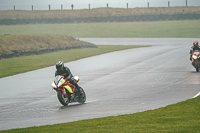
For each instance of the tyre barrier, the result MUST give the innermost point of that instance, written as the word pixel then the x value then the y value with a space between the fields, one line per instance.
pixel 16 53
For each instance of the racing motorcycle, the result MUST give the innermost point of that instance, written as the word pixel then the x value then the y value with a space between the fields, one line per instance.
pixel 66 92
pixel 196 60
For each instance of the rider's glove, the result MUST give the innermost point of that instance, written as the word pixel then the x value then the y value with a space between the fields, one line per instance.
pixel 67 79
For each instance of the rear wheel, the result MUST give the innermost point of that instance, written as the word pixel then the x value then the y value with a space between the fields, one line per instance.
pixel 82 99
pixel 64 100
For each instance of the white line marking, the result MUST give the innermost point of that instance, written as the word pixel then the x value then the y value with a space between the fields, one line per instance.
pixel 198 94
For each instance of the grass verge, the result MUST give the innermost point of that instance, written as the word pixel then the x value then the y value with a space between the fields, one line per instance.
pixel 183 117
pixel 155 29
pixel 22 64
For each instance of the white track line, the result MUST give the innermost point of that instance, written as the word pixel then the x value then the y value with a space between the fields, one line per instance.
pixel 198 94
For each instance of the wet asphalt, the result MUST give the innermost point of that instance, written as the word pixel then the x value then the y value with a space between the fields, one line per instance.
pixel 115 83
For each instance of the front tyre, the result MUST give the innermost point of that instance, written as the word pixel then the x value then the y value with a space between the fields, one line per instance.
pixel 197 69
pixel 82 98
pixel 64 100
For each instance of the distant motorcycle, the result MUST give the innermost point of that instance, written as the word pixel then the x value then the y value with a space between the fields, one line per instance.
pixel 196 60
pixel 66 92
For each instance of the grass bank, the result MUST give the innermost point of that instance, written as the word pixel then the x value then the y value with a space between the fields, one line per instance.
pixel 22 64
pixel 8 43
pixel 151 29
pixel 182 117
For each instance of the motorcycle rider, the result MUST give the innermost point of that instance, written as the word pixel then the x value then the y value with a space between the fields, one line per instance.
pixel 193 48
pixel 65 71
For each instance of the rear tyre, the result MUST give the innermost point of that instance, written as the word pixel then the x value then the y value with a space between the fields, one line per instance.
pixel 64 100
pixel 82 99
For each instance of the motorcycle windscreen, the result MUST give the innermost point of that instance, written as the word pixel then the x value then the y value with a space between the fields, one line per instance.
pixel 59 81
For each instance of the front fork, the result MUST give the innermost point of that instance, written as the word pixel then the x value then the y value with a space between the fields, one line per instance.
pixel 63 91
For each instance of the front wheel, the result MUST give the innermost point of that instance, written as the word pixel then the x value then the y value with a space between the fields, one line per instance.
pixel 82 98
pixel 197 68
pixel 64 100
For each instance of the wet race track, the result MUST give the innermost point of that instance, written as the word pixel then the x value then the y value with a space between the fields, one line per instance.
pixel 116 83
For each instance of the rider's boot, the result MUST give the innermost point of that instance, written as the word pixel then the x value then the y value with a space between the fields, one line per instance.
pixel 79 90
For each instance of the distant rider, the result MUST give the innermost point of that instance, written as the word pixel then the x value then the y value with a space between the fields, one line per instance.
pixel 193 48
pixel 65 71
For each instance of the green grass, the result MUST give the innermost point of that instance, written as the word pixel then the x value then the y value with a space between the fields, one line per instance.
pixel 160 29
pixel 182 117
pixel 22 64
